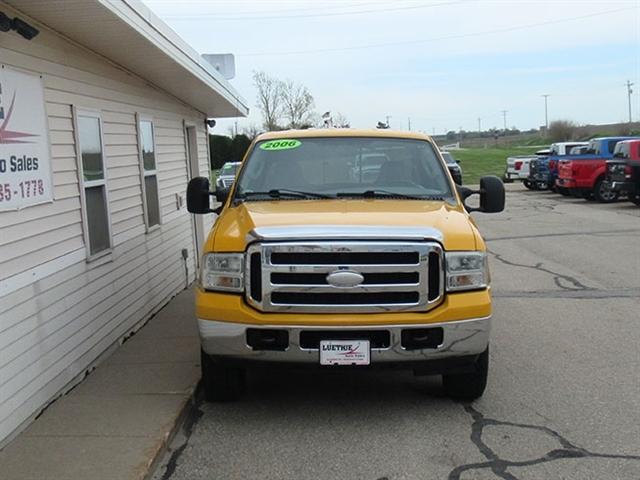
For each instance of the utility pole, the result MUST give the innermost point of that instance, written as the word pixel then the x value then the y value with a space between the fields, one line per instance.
pixel 409 122
pixel 629 92
pixel 479 126
pixel 504 118
pixel 387 117
pixel 546 116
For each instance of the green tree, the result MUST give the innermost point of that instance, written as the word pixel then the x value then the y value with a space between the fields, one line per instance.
pixel 220 147
pixel 239 145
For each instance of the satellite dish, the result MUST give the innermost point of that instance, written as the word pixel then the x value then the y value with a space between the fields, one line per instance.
pixel 224 63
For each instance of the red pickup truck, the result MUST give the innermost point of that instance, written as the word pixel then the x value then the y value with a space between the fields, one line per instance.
pixel 585 175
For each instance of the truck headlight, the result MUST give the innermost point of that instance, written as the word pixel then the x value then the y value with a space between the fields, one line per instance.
pixel 223 272
pixel 466 271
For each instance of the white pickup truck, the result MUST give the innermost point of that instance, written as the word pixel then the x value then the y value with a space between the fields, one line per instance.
pixel 518 166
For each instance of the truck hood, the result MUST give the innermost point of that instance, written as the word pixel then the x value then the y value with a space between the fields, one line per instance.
pixel 361 218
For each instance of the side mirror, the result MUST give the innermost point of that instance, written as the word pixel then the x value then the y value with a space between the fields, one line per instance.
pixel 198 195
pixel 491 195
pixel 458 161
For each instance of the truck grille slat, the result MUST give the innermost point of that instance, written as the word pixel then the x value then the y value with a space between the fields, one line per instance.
pixel 389 276
pixel 340 258
pixel 381 298
pixel 382 278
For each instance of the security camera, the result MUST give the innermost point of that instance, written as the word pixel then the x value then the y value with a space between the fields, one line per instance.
pixel 24 29
pixel 5 23
pixel 20 26
pixel 210 122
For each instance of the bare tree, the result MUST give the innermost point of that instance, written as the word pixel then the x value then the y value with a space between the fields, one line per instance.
pixel 251 131
pixel 298 104
pixel 562 130
pixel 269 99
pixel 340 121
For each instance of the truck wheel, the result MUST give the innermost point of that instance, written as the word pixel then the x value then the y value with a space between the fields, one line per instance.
pixel 603 193
pixel 468 386
pixel 220 382
pixel 563 191
pixel 529 185
pixel 635 198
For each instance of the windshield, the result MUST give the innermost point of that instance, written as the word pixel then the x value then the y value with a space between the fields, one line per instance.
pixel 229 169
pixel 338 166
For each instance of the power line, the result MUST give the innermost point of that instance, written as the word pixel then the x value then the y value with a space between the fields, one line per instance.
pixel 216 17
pixel 435 39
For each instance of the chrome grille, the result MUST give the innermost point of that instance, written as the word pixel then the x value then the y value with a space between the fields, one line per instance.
pixel 227 182
pixel 395 276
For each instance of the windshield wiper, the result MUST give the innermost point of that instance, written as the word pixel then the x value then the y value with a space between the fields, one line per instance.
pixel 388 194
pixel 283 193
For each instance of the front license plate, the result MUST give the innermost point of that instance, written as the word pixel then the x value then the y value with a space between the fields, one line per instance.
pixel 345 352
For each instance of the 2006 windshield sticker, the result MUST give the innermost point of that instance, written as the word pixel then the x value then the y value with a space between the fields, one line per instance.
pixel 283 144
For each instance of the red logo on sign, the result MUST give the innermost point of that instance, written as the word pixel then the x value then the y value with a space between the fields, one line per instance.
pixel 350 352
pixel 8 136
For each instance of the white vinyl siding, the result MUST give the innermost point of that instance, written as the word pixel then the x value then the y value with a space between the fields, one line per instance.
pixel 58 312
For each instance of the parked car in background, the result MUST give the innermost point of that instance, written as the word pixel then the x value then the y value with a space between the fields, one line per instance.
pixel 585 175
pixel 543 171
pixel 623 171
pixel 227 174
pixel 454 167
pixel 518 167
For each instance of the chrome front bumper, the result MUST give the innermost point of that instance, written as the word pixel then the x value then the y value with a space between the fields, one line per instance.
pixel 460 338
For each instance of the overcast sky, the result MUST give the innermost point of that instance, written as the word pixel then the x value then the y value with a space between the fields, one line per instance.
pixel 441 63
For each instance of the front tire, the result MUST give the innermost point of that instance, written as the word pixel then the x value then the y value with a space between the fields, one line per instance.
pixel 603 193
pixel 468 386
pixel 529 185
pixel 635 198
pixel 220 383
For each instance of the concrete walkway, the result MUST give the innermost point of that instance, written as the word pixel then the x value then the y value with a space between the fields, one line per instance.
pixel 117 422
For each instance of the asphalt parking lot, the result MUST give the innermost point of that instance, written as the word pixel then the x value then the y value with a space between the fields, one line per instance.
pixel 563 400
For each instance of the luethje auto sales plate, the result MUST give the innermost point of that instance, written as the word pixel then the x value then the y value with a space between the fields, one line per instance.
pixel 345 352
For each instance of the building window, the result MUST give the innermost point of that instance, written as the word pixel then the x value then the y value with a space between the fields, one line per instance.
pixel 149 172
pixel 93 183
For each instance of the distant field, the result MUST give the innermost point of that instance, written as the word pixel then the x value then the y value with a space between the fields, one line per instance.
pixel 476 162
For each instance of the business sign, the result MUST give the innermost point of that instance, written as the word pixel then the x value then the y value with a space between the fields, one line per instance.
pixel 25 163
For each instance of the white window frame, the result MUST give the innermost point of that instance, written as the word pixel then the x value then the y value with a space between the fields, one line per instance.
pixel 84 184
pixel 148 173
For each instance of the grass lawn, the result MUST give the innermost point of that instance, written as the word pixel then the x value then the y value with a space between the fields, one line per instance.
pixel 476 162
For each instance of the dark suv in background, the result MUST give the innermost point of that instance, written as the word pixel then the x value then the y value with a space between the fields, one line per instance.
pixel 454 168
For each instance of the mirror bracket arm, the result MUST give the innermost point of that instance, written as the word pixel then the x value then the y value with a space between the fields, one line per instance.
pixel 465 193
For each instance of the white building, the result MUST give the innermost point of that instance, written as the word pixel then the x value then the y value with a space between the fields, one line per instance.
pixel 102 123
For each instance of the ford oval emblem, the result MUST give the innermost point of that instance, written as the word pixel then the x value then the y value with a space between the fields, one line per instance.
pixel 344 279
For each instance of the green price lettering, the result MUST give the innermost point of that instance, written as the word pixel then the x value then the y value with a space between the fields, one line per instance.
pixel 283 144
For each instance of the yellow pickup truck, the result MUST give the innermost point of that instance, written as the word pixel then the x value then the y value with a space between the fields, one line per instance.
pixel 341 248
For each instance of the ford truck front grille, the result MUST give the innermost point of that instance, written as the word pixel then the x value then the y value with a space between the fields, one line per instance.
pixel 391 276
